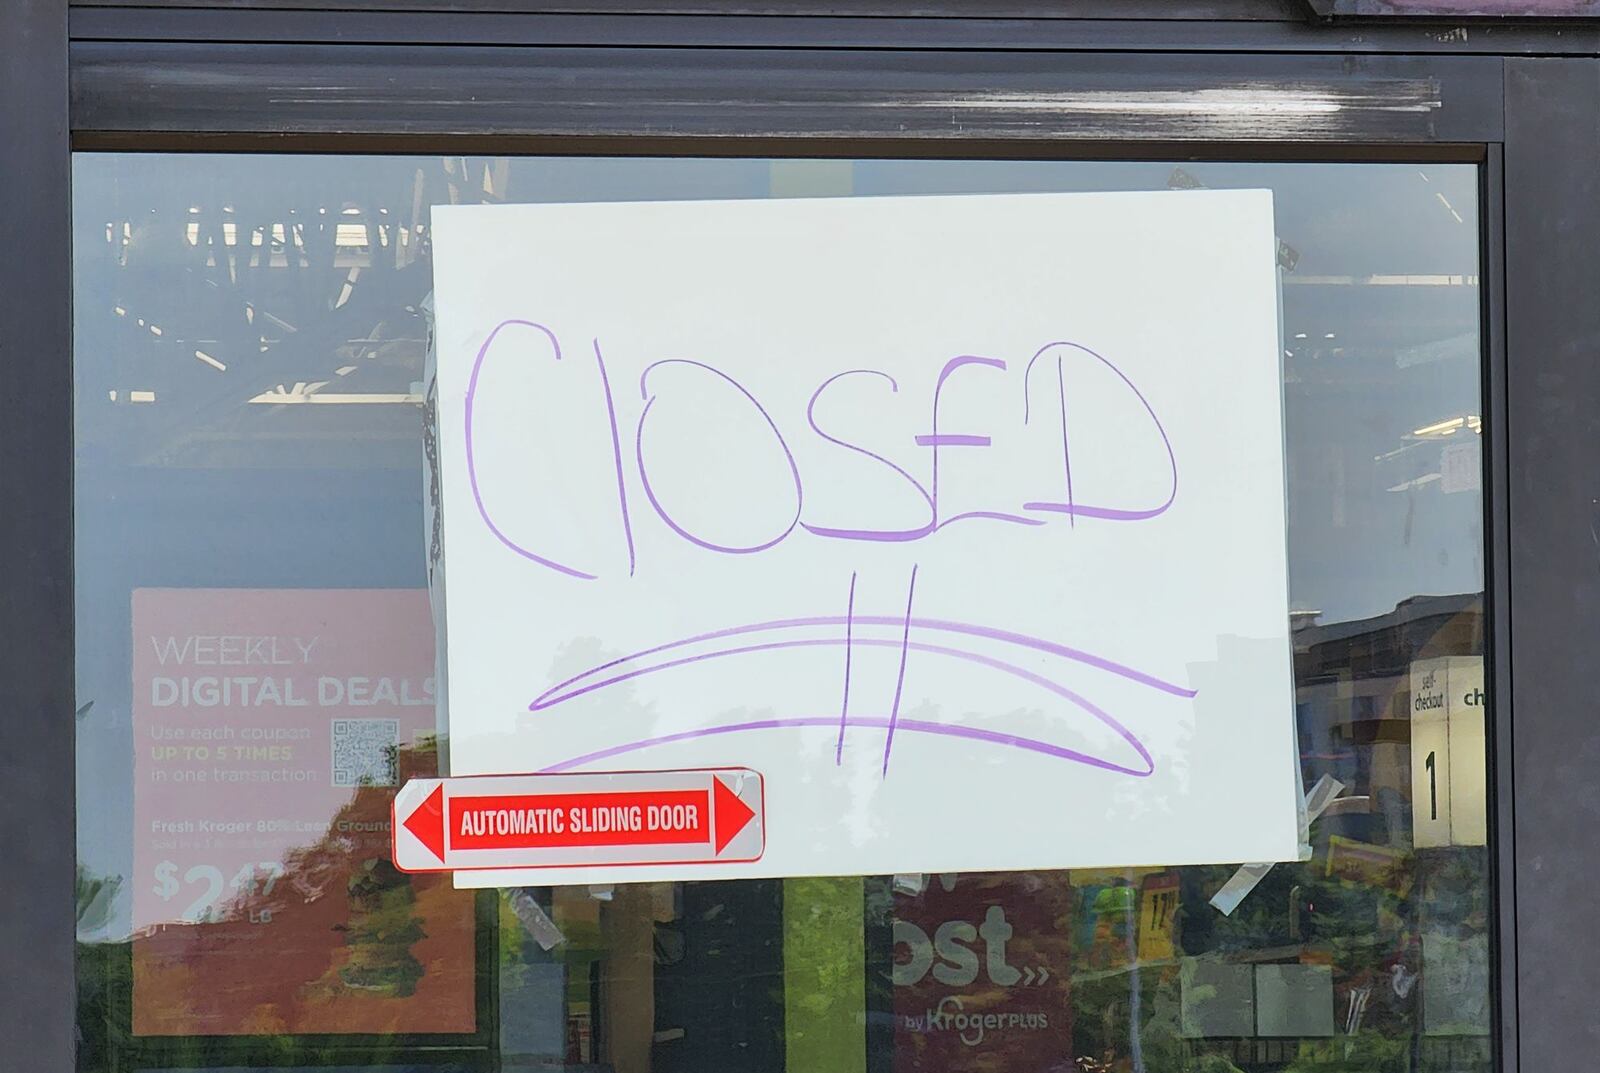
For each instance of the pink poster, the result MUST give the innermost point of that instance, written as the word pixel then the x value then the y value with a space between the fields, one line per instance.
pixel 271 729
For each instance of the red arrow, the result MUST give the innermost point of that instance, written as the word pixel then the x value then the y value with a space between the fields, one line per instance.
pixel 427 823
pixel 729 814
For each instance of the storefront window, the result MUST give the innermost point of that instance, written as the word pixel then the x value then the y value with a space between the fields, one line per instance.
pixel 256 672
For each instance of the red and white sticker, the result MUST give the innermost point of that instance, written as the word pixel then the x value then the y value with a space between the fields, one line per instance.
pixel 703 816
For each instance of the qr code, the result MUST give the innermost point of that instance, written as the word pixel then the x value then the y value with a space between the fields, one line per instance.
pixel 365 752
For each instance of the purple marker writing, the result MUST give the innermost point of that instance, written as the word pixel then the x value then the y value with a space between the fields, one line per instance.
pixel 863 387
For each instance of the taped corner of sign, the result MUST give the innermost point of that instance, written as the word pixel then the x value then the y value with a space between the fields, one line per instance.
pixel 910 883
pixel 1243 881
pixel 734 779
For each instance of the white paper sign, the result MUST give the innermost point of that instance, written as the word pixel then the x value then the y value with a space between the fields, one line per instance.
pixel 961 519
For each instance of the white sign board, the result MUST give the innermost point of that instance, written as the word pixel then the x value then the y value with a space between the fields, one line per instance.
pixel 961 519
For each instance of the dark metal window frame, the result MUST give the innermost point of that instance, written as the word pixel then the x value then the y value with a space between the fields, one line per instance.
pixel 366 81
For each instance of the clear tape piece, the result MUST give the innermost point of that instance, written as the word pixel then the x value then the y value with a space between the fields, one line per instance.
pixel 539 926
pixel 1243 881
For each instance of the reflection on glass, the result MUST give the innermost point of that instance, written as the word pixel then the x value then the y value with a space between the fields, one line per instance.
pixel 256 672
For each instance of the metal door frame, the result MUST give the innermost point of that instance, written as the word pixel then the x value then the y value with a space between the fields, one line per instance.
pixel 247 79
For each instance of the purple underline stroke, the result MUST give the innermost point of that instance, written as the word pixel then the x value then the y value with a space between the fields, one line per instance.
pixel 900 679
pixel 906 726
pixel 563 691
pixel 1022 673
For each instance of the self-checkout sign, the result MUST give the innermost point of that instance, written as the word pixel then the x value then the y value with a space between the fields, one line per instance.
pixel 1449 767
pixel 566 821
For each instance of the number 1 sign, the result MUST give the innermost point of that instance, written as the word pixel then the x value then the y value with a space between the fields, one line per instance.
pixel 959 518
pixel 1449 767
